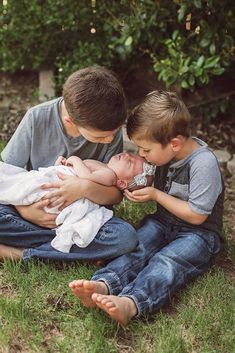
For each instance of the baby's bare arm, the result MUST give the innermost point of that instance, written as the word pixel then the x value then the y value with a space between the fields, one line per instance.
pixel 79 166
pixel 92 170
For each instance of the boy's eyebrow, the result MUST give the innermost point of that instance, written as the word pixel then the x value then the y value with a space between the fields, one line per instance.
pixel 140 146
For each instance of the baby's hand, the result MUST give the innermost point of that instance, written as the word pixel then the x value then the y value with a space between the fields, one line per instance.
pixel 142 195
pixel 60 161
pixel 71 160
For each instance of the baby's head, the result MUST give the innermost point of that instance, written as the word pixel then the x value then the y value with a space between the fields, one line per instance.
pixel 133 172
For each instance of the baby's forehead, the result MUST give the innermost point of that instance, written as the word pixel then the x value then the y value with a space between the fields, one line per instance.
pixel 137 157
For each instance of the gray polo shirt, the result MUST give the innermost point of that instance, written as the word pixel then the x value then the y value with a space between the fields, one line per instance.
pixel 196 179
pixel 40 138
pixel 204 182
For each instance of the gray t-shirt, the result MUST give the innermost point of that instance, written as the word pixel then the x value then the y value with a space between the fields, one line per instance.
pixel 205 183
pixel 40 138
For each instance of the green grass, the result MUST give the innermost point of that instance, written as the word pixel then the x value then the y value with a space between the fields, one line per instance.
pixel 38 313
pixel 2 144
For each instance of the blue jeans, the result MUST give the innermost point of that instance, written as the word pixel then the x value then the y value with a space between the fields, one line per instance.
pixel 116 237
pixel 166 259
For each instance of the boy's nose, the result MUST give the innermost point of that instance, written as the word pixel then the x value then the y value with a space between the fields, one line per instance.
pixel 109 139
pixel 141 153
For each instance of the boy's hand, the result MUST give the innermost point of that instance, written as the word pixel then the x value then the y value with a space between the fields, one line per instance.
pixel 66 191
pixel 142 195
pixel 35 214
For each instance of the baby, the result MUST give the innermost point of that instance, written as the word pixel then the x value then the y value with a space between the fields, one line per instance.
pixel 125 170
pixel 78 223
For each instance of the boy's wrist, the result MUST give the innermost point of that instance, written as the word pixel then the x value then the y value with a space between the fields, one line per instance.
pixel 83 185
pixel 155 195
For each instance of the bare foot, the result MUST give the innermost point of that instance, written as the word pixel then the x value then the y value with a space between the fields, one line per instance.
pixel 120 309
pixel 8 252
pixel 84 289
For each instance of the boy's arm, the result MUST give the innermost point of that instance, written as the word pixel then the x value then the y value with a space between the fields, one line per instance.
pixel 35 214
pixel 205 185
pixel 72 188
pixel 67 191
pixel 179 208
pixel 17 150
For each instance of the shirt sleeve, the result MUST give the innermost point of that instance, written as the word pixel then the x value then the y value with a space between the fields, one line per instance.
pixel 17 151
pixel 205 184
pixel 115 147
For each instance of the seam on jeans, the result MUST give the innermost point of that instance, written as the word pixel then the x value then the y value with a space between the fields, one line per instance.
pixel 139 311
pixel 135 264
pixel 11 219
pixel 110 283
pixel 105 282
pixel 26 255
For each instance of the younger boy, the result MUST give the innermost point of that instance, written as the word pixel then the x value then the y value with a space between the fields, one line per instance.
pixel 86 122
pixel 179 240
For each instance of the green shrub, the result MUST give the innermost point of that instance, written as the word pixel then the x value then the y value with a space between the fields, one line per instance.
pixel 188 42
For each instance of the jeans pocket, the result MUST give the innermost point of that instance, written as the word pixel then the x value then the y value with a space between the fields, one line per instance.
pixel 213 243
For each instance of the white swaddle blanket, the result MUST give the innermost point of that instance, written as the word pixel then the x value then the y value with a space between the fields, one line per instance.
pixel 77 224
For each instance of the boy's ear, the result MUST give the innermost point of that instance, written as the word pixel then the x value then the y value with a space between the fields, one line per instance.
pixel 122 184
pixel 69 120
pixel 176 143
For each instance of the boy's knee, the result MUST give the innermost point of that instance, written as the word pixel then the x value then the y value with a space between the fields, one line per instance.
pixel 128 236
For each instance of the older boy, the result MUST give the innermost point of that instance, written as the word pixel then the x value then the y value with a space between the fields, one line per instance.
pixel 86 121
pixel 179 240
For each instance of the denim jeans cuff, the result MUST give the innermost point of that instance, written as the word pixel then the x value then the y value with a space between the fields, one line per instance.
pixel 26 255
pixel 140 299
pixel 111 280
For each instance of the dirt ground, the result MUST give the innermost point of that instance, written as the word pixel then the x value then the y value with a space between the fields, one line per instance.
pixel 18 92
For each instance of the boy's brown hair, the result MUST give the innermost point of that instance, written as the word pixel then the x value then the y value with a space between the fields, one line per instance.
pixel 160 117
pixel 94 98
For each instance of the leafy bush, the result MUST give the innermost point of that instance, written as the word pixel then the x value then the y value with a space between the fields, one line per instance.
pixel 188 42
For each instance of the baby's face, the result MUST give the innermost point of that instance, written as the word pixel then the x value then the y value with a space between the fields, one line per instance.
pixel 126 165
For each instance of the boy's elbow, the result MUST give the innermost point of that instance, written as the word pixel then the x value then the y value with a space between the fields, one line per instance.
pixel 119 198
pixel 115 198
pixel 198 219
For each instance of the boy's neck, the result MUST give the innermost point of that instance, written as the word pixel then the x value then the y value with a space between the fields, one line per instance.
pixel 70 128
pixel 188 147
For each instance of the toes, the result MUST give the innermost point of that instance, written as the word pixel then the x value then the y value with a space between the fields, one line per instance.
pixel 98 297
pixel 94 296
pixel 103 301
pixel 110 305
pixel 89 285
pixel 76 284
